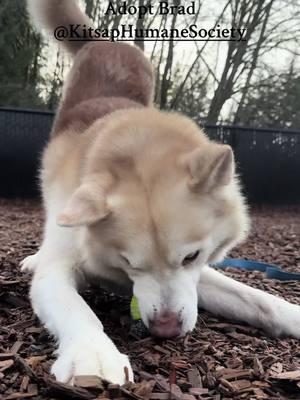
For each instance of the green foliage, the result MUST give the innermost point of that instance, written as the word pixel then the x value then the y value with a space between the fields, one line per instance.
pixel 20 60
pixel 274 103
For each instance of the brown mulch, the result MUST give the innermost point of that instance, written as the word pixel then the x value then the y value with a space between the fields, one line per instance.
pixel 218 360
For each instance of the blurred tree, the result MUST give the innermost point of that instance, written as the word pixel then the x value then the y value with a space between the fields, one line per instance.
pixel 274 102
pixel 54 81
pixel 193 99
pixel 20 61
pixel 209 81
pixel 90 7
pixel 254 15
pixel 272 25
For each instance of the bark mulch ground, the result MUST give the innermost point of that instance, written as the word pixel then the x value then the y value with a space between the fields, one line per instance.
pixel 218 360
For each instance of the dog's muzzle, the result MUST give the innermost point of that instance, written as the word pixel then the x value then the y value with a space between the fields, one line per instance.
pixel 165 325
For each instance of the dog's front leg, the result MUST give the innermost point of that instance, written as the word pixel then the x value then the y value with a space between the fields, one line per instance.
pixel 224 296
pixel 84 348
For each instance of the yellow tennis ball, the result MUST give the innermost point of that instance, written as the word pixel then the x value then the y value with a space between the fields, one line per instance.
pixel 134 309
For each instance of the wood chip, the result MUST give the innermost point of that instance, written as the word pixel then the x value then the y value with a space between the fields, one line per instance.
pixel 6 356
pixel 260 394
pixel 187 396
pixel 290 375
pixel 161 382
pixel 88 381
pixel 34 329
pixel 16 346
pixel 24 367
pixel 162 350
pixel 198 391
pixel 258 368
pixel 230 374
pixel 34 361
pixel 194 378
pixel 5 364
pixel 240 385
pixel 236 386
pixel 176 393
pixel 114 391
pixel 24 383
pixel 145 389
pixel 276 368
pixel 160 396
pixel 19 395
pixel 68 392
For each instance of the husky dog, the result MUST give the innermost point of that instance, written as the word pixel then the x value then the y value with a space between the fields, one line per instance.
pixel 137 197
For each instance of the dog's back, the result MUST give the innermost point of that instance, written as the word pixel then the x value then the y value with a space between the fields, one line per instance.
pixel 105 76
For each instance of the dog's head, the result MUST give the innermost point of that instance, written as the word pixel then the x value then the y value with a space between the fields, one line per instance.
pixel 158 200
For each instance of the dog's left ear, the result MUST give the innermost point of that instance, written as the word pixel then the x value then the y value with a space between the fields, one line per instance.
pixel 86 206
pixel 210 167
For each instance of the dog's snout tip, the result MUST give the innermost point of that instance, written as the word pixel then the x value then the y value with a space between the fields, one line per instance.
pixel 166 325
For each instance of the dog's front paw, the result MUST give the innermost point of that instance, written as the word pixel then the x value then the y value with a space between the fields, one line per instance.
pixel 29 264
pixel 98 357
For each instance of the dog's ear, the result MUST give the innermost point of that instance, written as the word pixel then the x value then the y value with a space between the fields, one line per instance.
pixel 86 206
pixel 210 167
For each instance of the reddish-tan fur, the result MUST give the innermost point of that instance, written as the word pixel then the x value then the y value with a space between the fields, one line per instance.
pixel 105 77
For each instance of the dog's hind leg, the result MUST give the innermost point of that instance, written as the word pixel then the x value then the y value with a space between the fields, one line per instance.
pixel 224 296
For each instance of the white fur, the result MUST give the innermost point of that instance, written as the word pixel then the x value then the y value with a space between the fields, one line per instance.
pixel 175 291
pixel 84 348
pixel 30 263
pixel 224 296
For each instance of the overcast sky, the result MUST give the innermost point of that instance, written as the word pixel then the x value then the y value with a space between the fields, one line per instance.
pixel 215 52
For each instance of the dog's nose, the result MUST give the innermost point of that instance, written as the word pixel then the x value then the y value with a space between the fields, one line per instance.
pixel 165 325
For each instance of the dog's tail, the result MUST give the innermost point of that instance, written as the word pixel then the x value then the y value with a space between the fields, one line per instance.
pixel 53 15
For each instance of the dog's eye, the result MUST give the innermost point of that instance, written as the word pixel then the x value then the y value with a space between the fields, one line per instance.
pixel 125 260
pixel 190 258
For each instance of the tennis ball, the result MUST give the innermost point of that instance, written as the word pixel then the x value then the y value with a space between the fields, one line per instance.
pixel 134 309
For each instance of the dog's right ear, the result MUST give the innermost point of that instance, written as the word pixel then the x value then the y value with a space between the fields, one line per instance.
pixel 86 206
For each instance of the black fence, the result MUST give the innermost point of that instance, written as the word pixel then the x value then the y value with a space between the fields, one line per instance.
pixel 268 160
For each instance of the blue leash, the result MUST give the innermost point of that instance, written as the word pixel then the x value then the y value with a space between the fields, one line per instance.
pixel 271 271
